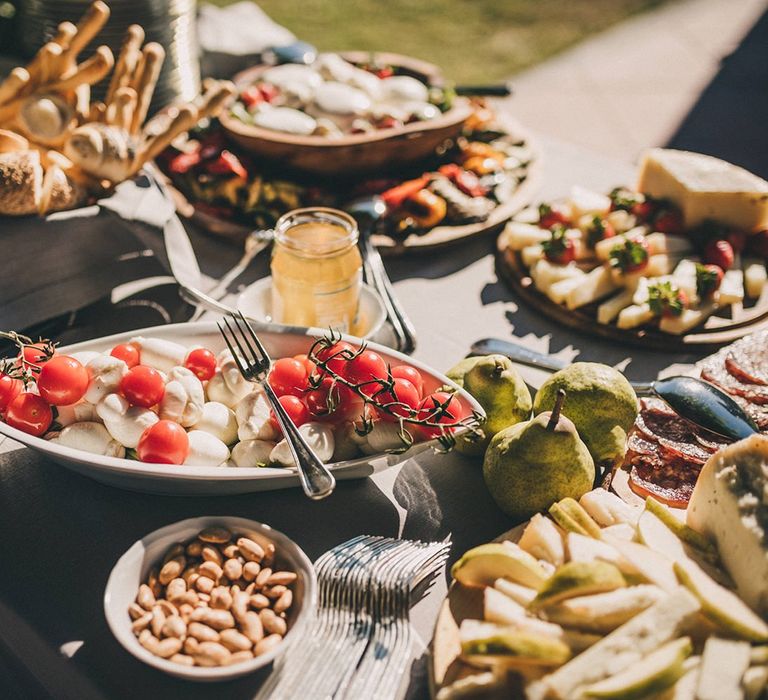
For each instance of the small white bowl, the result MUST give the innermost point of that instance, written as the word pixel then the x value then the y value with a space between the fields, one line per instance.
pixel 255 301
pixel 132 568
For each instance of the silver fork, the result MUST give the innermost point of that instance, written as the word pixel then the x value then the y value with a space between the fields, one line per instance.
pixel 254 362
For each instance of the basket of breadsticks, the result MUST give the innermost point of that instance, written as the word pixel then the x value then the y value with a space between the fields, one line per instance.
pixel 59 148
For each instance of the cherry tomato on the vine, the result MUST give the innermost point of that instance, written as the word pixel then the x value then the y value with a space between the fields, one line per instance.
pixel 366 367
pixel 34 356
pixel 62 380
pixel 143 386
pixel 411 374
pixel 128 353
pixel 295 408
pixel 165 442
pixel 202 363
pixel 10 388
pixel 308 364
pixel 288 377
pixel 404 393
pixel 335 364
pixel 29 413
pixel 429 407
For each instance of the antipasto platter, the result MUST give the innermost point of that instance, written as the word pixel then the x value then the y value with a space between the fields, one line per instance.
pixel 677 262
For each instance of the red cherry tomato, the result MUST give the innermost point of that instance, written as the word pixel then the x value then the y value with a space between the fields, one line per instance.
pixel 128 353
pixel 29 413
pixel 411 374
pixel 295 408
pixel 143 386
pixel 288 377
pixel 10 388
pixel 62 381
pixel 334 359
pixel 404 393
pixel 165 442
pixel 202 363
pixel 365 368
pixel 317 399
pixel 430 405
pixel 719 253
pixel 35 355
pixel 308 364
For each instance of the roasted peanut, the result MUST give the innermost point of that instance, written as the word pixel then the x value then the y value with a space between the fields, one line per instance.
pixel 136 611
pixel 191 644
pixel 158 620
pixel 168 647
pixel 239 657
pixel 274 592
pixel 272 623
pixel 203 598
pixel 251 570
pixel 259 601
pixel 204 584
pixel 168 608
pixel 202 632
pixel 221 598
pixel 175 550
pixel 194 548
pixel 211 553
pixel 215 535
pixel 267 644
pixel 210 569
pixel 172 569
pixel 251 626
pixel 212 654
pixel 185 611
pixel 234 640
pixel 154 583
pixel 250 588
pixel 231 551
pixel 218 619
pixel 233 569
pixel 239 605
pixel 284 601
pixel 148 640
pixel 183 659
pixel 175 589
pixel 269 555
pixel 141 623
pixel 190 598
pixel 281 578
pixel 145 598
pixel 174 627
pixel 263 577
pixel 251 550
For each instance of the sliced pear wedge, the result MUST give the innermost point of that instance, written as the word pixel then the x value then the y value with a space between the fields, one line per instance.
pixel 651 566
pixel 608 509
pixel 685 686
pixel 543 540
pixel 721 605
pixel 578 578
pixel 620 531
pixel 482 565
pixel 604 612
pixel 520 594
pixel 758 656
pixel 487 644
pixel 723 664
pixel 755 682
pixel 686 533
pixel 583 548
pixel 654 533
pixel 577 514
pixel 655 673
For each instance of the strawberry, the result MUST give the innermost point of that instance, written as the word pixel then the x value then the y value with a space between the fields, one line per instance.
pixel 559 249
pixel 644 211
pixel 598 230
pixel 549 217
pixel 666 299
pixel 737 239
pixel 719 253
pixel 668 220
pixel 630 256
pixel 708 279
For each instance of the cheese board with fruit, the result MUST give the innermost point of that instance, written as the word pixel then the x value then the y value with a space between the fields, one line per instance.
pixel 677 261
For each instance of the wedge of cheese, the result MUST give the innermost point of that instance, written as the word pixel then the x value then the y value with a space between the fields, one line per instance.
pixel 730 504
pixel 705 188
pixel 723 664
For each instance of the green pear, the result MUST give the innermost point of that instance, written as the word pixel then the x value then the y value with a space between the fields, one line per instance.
pixel 457 372
pixel 601 403
pixel 532 464
pixel 484 643
pixel 578 578
pixel 482 565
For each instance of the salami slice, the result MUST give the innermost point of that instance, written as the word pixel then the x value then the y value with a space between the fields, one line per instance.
pixel 668 483
pixel 747 359
pixel 714 370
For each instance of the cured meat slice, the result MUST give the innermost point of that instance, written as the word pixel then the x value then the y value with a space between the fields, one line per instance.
pixel 637 444
pixel 691 451
pixel 714 370
pixel 670 482
pixel 747 359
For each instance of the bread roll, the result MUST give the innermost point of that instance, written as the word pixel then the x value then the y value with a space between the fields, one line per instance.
pixel 11 141
pixel 101 150
pixel 59 191
pixel 46 119
pixel 21 180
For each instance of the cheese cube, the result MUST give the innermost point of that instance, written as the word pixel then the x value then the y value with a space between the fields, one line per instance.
pixel 518 235
pixel 705 188
pixel 723 664
pixel 595 285
pixel 584 201
pixel 611 308
pixel 755 278
pixel 731 288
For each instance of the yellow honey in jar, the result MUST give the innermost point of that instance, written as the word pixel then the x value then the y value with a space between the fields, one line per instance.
pixel 317 270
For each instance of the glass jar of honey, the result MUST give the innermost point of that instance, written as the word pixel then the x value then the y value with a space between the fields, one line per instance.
pixel 317 270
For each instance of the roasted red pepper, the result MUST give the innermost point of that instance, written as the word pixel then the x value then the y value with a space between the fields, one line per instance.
pixel 255 94
pixel 465 180
pixel 227 164
pixel 395 196
pixel 183 162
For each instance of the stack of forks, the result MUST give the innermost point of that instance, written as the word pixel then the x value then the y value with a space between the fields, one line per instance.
pixel 360 643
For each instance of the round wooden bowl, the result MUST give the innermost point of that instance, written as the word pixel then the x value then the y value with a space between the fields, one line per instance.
pixel 380 150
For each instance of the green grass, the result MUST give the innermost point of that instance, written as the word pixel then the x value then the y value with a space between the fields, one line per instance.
pixel 474 41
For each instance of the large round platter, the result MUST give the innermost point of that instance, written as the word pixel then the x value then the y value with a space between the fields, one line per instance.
pixel 367 152
pixel 181 480
pixel 717 330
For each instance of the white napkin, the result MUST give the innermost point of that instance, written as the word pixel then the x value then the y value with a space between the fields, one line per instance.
pixel 239 29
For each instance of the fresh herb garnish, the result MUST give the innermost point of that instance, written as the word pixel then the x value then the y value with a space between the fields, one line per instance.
pixel 629 256
pixel 665 298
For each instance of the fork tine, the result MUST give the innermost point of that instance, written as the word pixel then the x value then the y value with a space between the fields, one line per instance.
pixel 255 356
pixel 253 335
pixel 240 366
pixel 249 356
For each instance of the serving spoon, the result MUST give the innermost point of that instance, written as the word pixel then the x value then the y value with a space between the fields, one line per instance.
pixel 699 402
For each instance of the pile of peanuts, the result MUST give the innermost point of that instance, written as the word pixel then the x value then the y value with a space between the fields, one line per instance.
pixel 213 602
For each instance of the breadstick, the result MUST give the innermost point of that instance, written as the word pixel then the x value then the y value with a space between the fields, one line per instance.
pixel 88 72
pixel 126 61
pixel 215 98
pixel 153 56
pixel 14 84
pixel 64 34
pixel 97 112
pixel 88 27
pixel 184 120
pixel 123 108
pixel 50 67
pixel 11 141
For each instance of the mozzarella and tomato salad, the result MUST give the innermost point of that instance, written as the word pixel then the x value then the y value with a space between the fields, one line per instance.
pixel 629 257
pixel 158 401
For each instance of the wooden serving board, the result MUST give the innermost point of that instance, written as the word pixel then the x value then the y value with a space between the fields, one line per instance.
pixel 717 330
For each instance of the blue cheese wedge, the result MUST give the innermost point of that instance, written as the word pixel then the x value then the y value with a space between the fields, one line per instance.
pixel 730 504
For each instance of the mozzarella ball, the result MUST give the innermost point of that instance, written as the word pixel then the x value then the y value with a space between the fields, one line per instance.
pixel 252 453
pixel 218 420
pixel 205 450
